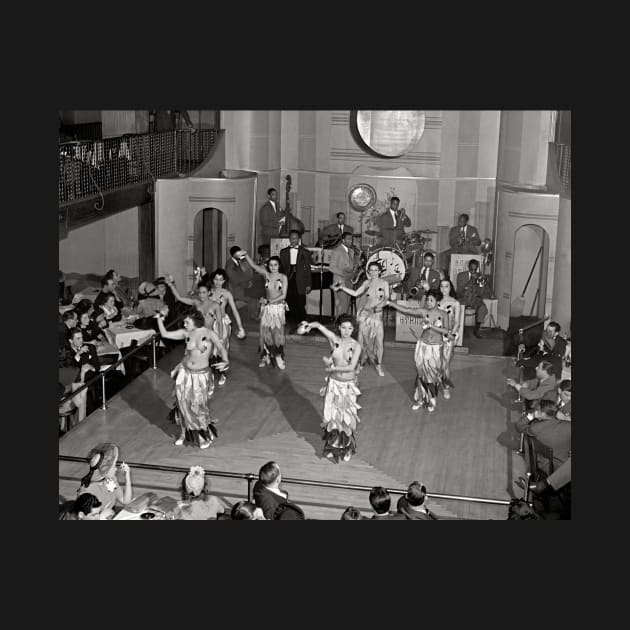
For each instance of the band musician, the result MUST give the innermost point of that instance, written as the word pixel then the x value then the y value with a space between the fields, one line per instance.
pixel 392 223
pixel 336 229
pixel 423 279
pixel 342 260
pixel 470 291
pixel 462 239
pixel 271 217
pixel 295 263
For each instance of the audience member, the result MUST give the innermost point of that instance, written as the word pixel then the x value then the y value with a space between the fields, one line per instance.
pixel 413 505
pixel 381 501
pixel 105 306
pixel 288 512
pixel 352 514
pixel 520 510
pixel 69 321
pixel 246 511
pixel 108 288
pixel 542 388
pixel 121 292
pixel 103 460
pixel 564 401
pixel 82 355
pixel 85 507
pixel 90 329
pixel 197 503
pixel 551 348
pixel 267 493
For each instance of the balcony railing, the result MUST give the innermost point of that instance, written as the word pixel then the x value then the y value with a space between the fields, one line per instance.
pixel 92 167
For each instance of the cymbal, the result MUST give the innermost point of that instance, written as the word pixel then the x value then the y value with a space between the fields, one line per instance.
pixel 428 231
pixel 357 234
pixel 372 232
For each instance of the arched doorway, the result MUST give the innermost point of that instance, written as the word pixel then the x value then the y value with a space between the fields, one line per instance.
pixel 210 238
pixel 529 272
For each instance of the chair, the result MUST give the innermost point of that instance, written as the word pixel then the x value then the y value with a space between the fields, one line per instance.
pixel 469 316
pixel 66 412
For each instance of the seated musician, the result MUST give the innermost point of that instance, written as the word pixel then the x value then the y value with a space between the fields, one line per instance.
pixel 336 229
pixel 392 223
pixel 342 259
pixel 470 291
pixel 551 347
pixel 423 279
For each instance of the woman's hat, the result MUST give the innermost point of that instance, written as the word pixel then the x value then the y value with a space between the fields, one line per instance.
pixel 103 457
pixel 146 288
pixel 195 480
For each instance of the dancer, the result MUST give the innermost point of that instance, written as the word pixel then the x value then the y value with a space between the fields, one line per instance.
pixel 428 356
pixel 203 303
pixel 449 303
pixel 218 280
pixel 370 316
pixel 192 378
pixel 273 308
pixel 340 392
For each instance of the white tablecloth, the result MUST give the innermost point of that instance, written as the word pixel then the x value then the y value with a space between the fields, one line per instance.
pixel 103 349
pixel 121 336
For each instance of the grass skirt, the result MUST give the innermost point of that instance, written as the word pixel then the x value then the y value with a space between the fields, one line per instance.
pixel 340 417
pixel 429 360
pixel 192 412
pixel 272 322
pixel 370 335
pixel 447 352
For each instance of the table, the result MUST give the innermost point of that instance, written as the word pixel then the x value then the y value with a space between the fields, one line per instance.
pixel 104 348
pixel 121 336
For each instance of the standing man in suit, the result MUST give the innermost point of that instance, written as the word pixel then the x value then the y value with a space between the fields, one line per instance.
pixel 271 217
pixel 241 277
pixel 295 263
pixel 392 223
pixel 470 293
pixel 462 239
pixel 337 229
pixel 342 265
pixel 425 278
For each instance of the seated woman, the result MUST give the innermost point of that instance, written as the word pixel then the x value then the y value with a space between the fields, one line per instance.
pixel 197 503
pixel 85 507
pixel 105 305
pixel 103 461
pixel 92 332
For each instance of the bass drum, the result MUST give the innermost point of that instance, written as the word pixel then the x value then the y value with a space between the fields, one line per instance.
pixel 393 265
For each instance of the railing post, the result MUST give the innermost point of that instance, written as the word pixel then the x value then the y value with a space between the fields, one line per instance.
pixel 521 448
pixel 526 497
pixel 153 349
pixel 250 480
pixel 104 405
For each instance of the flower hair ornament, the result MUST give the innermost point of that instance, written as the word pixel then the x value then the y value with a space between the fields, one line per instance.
pixel 195 480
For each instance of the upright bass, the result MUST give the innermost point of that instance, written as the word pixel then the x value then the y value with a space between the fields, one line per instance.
pixel 291 222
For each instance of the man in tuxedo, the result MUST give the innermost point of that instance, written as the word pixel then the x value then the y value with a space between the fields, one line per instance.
pixel 342 265
pixel 267 493
pixel 336 229
pixel 392 223
pixel 241 277
pixel 271 217
pixel 381 501
pixel 424 278
pixel 551 347
pixel 470 294
pixel 543 387
pixel 462 239
pixel 295 263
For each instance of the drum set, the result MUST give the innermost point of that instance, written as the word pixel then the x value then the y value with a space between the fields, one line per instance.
pixel 395 262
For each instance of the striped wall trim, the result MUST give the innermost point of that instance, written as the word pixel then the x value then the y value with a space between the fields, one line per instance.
pixel 508 254
pixel 531 215
pixel 214 199
pixel 430 122
pixel 507 296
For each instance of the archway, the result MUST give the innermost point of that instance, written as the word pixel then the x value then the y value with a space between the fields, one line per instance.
pixel 529 272
pixel 210 238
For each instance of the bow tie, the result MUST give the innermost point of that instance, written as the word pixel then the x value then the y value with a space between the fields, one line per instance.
pixel 295 247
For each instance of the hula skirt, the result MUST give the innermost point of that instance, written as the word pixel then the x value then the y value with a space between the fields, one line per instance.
pixel 370 335
pixel 192 411
pixel 340 418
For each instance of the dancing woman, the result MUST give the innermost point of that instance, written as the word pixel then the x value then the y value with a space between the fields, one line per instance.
pixel 370 317
pixel 449 303
pixel 274 306
pixel 428 355
pixel 192 379
pixel 209 308
pixel 340 417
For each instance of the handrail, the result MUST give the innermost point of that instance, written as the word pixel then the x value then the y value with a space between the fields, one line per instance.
pixel 249 477
pixel 114 366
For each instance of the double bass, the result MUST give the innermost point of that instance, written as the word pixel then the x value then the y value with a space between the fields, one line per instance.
pixel 292 222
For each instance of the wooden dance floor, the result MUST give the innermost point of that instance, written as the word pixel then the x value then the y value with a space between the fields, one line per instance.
pixel 463 448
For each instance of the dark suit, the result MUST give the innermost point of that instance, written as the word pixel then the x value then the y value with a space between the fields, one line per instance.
pixel 269 221
pixel 299 281
pixel 410 514
pixel 390 516
pixel 241 278
pixel 390 233
pixel 469 293
pixel 90 357
pixel 267 500
pixel 417 274
pixel 554 355
pixel 551 433
pixel 467 243
pixel 333 229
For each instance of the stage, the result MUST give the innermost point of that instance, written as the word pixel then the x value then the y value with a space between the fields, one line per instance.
pixel 463 448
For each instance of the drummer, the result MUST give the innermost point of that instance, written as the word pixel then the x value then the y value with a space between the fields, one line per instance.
pixel 336 230
pixel 393 223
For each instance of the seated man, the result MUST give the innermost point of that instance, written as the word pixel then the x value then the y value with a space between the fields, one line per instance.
pixel 82 354
pixel 551 347
pixel 121 292
pixel 336 230
pixel 381 501
pixel 543 387
pixel 267 493
pixel 69 320
pixel 423 279
pixel 563 404
pixel 551 433
pixel 413 505
pixel 470 293
pixel 108 287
